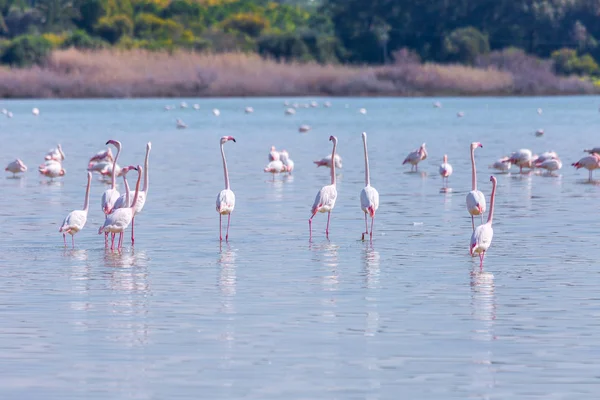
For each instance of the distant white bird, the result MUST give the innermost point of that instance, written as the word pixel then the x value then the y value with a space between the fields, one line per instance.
pixel 539 132
pixel 52 169
pixel 287 161
pixel 226 197
pixel 55 154
pixel 196 106
pixel 415 157
pixel 460 114
pixel 35 111
pixel 75 221
pixel 590 163
pixel 16 167
pixel 539 111
pixel 314 104
pixel 183 104
pixel 180 124
pixel 249 110
pixel 475 199
pixel 9 114
pixel 362 111
pixel 326 161
pixel 290 111
pixel 550 165
pixel 304 128
pixel 275 167
pixel 445 169
pixel 216 112
pixel 369 196
pixel 522 158
pixel 545 156
pixel 327 104
pixel 110 196
pixel 437 104
pixel 325 199
pixel 482 236
pixel 502 164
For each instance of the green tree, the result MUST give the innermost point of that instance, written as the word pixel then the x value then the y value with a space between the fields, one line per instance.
pixel 57 15
pixel 26 50
pixel 465 45
pixel 112 29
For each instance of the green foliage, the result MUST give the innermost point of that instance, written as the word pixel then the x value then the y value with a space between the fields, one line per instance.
pixel 81 40
pixel 567 62
pixel 248 23
pixel 151 27
pixel 464 45
pixel 26 50
pixel 112 29
pixel 90 12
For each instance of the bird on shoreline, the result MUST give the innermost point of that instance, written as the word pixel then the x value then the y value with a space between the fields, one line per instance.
pixel 590 163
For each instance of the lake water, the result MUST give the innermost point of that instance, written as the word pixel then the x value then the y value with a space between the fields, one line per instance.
pixel 270 315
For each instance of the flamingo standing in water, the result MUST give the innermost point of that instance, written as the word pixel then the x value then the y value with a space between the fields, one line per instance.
pixel 275 167
pixel 369 197
pixel 445 169
pixel 142 196
pixel 110 196
pixel 287 161
pixel 325 199
pixel 475 199
pixel 481 239
pixel 415 157
pixel 120 219
pixel 55 154
pixel 273 154
pixel 76 220
pixel 590 163
pixel 52 169
pixel 326 161
pixel 16 167
pixel 226 198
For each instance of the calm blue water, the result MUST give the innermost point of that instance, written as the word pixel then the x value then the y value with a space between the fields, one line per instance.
pixel 271 315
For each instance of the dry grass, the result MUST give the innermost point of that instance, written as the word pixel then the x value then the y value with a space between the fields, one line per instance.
pixel 139 73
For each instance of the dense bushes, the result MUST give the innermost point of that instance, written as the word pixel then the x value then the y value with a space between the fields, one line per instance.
pixel 567 62
pixel 27 50
pixel 464 45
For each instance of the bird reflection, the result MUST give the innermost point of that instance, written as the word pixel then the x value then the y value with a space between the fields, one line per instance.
pixel 128 277
pixel 80 280
pixel 227 279
pixel 327 253
pixel 371 273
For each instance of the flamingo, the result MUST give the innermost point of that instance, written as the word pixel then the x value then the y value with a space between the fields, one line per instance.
pixel 445 169
pixel 326 161
pixel 226 198
pixel 287 161
pixel 76 220
pixel 304 128
pixel 369 197
pixel 481 239
pixel 105 155
pixel 275 167
pixel 550 165
pixel 16 167
pixel 52 170
pixel 522 158
pixel 545 156
pixel 249 110
pixel 475 199
pixel 110 196
pixel 55 154
pixel 123 201
pixel 503 164
pixel 180 124
pixel 274 154
pixel 595 150
pixel 35 111
pixel 590 163
pixel 325 199
pixel 415 157
pixel 120 219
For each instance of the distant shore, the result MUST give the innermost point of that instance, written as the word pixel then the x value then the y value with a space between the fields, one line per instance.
pixel 141 74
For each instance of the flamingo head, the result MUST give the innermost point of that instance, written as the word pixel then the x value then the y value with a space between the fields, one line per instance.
pixel 125 170
pixel 272 148
pixel 475 145
pixel 225 139
pixel 148 146
pixel 333 139
pixel 445 158
pixel 364 135
pixel 115 143
pixel 493 179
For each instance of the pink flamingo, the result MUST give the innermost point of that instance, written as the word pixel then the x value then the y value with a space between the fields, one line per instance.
pixel 275 167
pixel 52 169
pixel 590 163
pixel 475 199
pixel 503 164
pixel 523 158
pixel 369 197
pixel 76 220
pixel 325 199
pixel 16 167
pixel 445 169
pixel 415 157
pixel 326 161
pixel 55 154
pixel 142 196
pixel 273 154
pixel 105 155
pixel 226 198
pixel 481 239
pixel 110 196
pixel 120 219
pixel 287 161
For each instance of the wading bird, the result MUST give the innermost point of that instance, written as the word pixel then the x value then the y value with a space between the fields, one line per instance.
pixel 481 239
pixel 325 199
pixel 226 198
pixel 445 170
pixel 369 197
pixel 475 199
pixel 76 220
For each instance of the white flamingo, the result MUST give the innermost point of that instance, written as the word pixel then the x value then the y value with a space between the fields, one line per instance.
pixel 523 158
pixel 326 161
pixel 142 195
pixel 16 167
pixel 275 167
pixel 415 157
pixel 445 169
pixel 76 220
pixel 325 199
pixel 287 161
pixel 590 163
pixel 550 165
pixel 369 197
pixel 481 239
pixel 226 197
pixel 274 155
pixel 110 196
pixel 52 169
pixel 502 165
pixel 120 219
pixel 104 155
pixel 55 154
pixel 475 199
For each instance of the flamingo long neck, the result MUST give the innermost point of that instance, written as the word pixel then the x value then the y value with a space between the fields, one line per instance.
pixel 333 163
pixel 146 179
pixel 126 189
pixel 137 190
pixel 86 202
pixel 367 177
pixel 473 171
pixel 491 215
pixel 114 172
pixel 225 168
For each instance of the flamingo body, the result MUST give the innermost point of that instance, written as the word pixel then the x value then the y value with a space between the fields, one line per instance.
pixel 475 199
pixel 326 197
pixel 52 169
pixel 415 157
pixel 75 221
pixel 225 202
pixel 502 164
pixel 326 161
pixel 16 167
pixel 481 238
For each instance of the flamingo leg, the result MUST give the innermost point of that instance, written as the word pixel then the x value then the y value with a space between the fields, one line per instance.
pixel 590 175
pixel 120 245
pixel 366 228
pixel 372 222
pixel 481 218
pixel 112 245
pixel 473 222
pixel 229 220
pixel 105 239
pixel 220 225
pixel 310 225
pixel 132 225
pixel 481 255
pixel 327 228
pixel 65 239
pixel 73 240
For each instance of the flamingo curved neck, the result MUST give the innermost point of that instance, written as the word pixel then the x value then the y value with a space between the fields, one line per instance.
pixel 126 190
pixel 114 172
pixel 333 162
pixel 491 215
pixel 225 167
pixel 137 190
pixel 367 174
pixel 473 171
pixel 86 202
pixel 146 179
